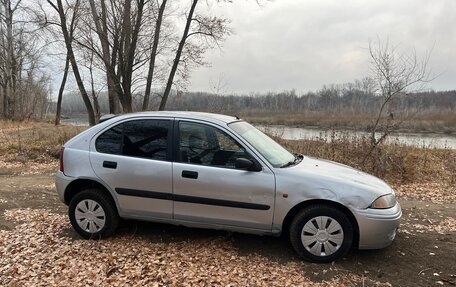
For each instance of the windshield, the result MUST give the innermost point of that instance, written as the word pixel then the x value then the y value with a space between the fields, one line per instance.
pixel 267 147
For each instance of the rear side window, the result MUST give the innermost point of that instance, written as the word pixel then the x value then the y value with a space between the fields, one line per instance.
pixel 137 138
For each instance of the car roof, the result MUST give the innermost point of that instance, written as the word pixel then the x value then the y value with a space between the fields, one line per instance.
pixel 183 114
pixel 80 139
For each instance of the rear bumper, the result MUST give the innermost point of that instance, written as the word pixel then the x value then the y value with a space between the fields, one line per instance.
pixel 377 227
pixel 61 183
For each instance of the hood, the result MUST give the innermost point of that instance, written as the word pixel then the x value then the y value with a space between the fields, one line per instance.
pixel 324 179
pixel 344 173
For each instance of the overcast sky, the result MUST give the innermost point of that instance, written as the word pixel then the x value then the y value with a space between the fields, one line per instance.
pixel 305 44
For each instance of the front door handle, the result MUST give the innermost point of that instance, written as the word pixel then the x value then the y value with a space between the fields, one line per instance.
pixel 190 174
pixel 110 164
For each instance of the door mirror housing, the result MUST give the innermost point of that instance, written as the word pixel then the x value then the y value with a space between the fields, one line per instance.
pixel 247 164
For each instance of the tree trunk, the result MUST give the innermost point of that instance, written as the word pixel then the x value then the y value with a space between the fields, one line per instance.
pixel 114 86
pixel 114 104
pixel 62 87
pixel 96 105
pixel 153 54
pixel 129 41
pixel 74 65
pixel 4 103
pixel 9 93
pixel 169 84
pixel 126 50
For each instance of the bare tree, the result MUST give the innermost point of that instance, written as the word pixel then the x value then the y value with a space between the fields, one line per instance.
pixel 58 7
pixel 395 74
pixel 209 31
pixel 58 110
pixel 65 70
pixel 101 24
pixel 96 105
pixel 123 30
pixel 153 55
pixel 118 28
pixel 23 85
pixel 9 79
pixel 218 87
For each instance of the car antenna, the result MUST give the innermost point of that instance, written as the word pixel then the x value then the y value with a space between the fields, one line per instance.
pixel 237 118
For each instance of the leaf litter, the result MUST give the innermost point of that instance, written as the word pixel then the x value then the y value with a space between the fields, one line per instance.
pixel 38 253
pixel 435 192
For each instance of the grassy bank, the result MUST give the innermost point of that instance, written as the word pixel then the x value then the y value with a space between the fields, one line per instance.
pixel 394 162
pixel 33 141
pixel 40 142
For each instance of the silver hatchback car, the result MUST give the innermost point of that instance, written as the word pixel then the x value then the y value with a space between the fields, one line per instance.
pixel 215 171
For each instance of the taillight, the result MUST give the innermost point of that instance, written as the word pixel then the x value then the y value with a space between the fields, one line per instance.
pixel 61 160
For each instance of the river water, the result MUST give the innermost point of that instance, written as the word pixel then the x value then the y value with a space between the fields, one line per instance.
pixel 428 140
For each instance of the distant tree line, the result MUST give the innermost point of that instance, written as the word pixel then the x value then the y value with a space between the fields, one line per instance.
pixel 343 99
pixel 329 100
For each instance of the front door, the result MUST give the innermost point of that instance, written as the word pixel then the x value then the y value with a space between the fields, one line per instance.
pixel 207 188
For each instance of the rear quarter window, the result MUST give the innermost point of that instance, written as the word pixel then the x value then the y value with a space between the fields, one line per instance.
pixel 110 141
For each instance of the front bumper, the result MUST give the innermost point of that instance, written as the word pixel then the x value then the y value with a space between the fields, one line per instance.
pixel 61 183
pixel 377 227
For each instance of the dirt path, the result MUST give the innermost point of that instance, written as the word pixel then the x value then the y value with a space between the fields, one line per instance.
pixel 424 253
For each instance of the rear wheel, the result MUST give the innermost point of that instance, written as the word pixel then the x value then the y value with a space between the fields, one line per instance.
pixel 321 233
pixel 93 214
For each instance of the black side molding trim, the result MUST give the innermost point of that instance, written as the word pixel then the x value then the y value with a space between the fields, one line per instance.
pixel 220 202
pixel 144 193
pixel 191 199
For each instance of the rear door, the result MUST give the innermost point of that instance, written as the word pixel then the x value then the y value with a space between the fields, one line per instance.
pixel 209 189
pixel 133 158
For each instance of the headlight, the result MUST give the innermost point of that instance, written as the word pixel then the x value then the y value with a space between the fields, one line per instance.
pixel 385 201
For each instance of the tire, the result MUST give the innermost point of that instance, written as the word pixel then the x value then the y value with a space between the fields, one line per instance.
pixel 93 214
pixel 321 233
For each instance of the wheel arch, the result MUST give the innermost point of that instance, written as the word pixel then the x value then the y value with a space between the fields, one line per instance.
pixel 81 184
pixel 302 205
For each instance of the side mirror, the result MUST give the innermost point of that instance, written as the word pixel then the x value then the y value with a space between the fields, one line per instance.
pixel 247 164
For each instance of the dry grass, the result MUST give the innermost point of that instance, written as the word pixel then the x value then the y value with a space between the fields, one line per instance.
pixel 33 141
pixel 395 162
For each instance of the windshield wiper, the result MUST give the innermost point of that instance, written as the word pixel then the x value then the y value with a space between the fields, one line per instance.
pixel 298 158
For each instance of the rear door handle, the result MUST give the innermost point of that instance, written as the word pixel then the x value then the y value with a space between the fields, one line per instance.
pixel 110 164
pixel 189 174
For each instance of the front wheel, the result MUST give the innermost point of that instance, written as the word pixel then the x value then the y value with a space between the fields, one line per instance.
pixel 321 233
pixel 93 214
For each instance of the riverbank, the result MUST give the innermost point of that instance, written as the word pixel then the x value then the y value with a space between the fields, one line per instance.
pixel 317 126
pixel 435 123
pixel 395 162
pixel 443 123
pixel 424 140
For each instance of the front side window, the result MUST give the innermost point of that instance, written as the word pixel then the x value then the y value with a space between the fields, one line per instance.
pixel 136 138
pixel 207 145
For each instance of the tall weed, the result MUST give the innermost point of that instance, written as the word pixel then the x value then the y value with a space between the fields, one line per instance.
pixel 395 162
